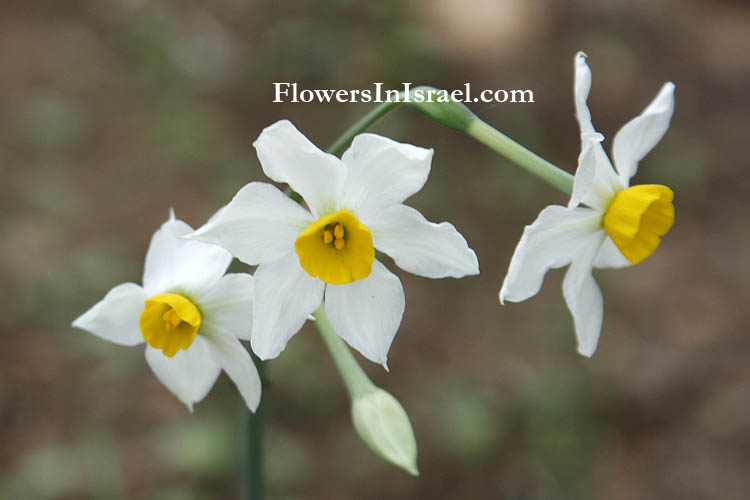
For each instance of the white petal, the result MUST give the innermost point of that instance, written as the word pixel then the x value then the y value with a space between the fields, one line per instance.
pixel 381 173
pixel 422 247
pixel 642 133
pixel 368 312
pixel 258 225
pixel 555 239
pixel 595 180
pixel 236 361
pixel 583 296
pixel 174 263
pixel 610 256
pixel 581 88
pixel 189 374
pixel 586 170
pixel 288 156
pixel 285 295
pixel 228 305
pixel 116 316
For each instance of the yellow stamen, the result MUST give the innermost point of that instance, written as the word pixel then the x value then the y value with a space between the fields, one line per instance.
pixel 638 217
pixel 170 322
pixel 171 319
pixel 344 256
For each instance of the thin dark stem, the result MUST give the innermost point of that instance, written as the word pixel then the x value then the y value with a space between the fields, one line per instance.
pixel 252 485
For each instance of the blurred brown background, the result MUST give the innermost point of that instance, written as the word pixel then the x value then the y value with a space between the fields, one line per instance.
pixel 113 111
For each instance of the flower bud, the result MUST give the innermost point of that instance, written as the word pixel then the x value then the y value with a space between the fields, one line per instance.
pixel 383 424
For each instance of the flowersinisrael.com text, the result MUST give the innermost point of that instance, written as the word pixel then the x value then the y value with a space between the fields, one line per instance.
pixel 290 92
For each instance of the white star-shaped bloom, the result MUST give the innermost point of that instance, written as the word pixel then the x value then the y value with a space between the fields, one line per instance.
pixel 606 224
pixel 188 311
pixel 355 206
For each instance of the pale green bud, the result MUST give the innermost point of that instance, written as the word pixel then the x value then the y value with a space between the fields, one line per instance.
pixel 383 424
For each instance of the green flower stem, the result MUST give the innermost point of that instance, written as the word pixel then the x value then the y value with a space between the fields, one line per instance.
pixel 363 124
pixel 355 378
pixel 457 116
pixel 252 485
pixel 510 149
pixel 378 417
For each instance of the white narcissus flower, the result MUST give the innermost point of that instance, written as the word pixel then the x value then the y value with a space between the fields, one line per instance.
pixel 618 226
pixel 188 311
pixel 355 206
